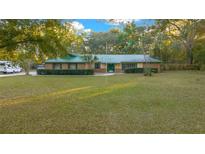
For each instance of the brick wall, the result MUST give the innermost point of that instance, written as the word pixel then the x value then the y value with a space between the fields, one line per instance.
pixel 64 66
pixel 49 66
pixel 101 70
pixel 153 65
pixel 89 66
pixel 118 66
pixel 81 66
pixel 103 66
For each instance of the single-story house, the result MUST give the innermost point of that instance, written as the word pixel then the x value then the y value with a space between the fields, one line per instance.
pixel 103 63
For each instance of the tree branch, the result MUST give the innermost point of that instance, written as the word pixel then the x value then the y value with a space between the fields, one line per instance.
pixel 19 42
pixel 175 25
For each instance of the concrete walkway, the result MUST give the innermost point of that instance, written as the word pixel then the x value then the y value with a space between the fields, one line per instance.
pixel 13 74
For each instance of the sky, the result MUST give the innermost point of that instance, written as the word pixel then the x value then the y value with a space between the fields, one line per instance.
pixel 97 25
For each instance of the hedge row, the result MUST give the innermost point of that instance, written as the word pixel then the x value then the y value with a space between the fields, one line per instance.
pixel 140 70
pixel 65 72
pixel 167 67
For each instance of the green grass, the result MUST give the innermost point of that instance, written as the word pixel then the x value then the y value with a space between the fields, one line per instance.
pixel 171 102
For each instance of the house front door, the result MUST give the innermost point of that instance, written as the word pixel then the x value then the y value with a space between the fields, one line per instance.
pixel 110 68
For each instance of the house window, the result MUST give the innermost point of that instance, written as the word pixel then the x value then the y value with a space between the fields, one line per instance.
pixel 97 65
pixel 73 66
pixel 140 65
pixel 127 66
pixel 56 66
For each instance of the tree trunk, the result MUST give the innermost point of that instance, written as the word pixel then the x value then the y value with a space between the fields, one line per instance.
pixel 189 54
pixel 27 65
pixel 27 71
pixel 191 59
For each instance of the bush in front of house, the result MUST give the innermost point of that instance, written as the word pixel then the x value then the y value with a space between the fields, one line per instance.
pixel 65 72
pixel 147 71
pixel 154 70
pixel 141 70
pixel 167 67
pixel 134 70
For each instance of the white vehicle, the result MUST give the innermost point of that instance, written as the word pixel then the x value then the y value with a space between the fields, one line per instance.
pixel 6 67
pixel 17 69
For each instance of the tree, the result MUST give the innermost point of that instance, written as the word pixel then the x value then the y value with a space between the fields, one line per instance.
pixel 184 31
pixel 99 41
pixel 90 58
pixel 129 39
pixel 37 39
pixel 167 49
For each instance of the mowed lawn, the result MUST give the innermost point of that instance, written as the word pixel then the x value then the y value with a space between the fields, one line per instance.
pixel 169 102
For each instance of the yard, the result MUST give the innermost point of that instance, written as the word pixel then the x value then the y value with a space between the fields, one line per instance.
pixel 170 102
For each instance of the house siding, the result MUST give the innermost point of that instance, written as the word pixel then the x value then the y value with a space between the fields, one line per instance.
pixel 118 68
pixel 64 66
pixel 80 66
pixel 152 65
pixel 139 65
pixel 103 67
pixel 89 66
pixel 49 66
pixel 120 63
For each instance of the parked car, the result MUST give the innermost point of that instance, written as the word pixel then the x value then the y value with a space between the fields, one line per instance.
pixel 2 65
pixel 17 69
pixel 7 67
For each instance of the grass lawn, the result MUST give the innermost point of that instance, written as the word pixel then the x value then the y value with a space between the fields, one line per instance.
pixel 171 102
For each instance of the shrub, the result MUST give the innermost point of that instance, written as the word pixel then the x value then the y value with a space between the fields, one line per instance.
pixel 141 70
pixel 147 72
pixel 134 70
pixel 154 70
pixel 65 72
pixel 167 67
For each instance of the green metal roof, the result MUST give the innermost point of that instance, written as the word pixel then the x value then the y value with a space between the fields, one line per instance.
pixel 125 58
pixel 76 58
pixel 68 59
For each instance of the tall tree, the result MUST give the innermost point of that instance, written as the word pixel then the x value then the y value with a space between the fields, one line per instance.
pixel 129 39
pixel 36 38
pixel 99 42
pixel 184 31
pixel 199 48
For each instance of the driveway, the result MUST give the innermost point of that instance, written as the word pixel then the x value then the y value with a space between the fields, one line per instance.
pixel 33 73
